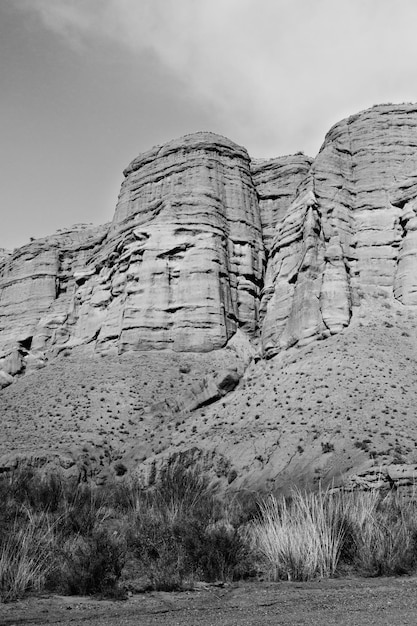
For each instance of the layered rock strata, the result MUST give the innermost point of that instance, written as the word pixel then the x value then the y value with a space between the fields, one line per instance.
pixel 36 286
pixel 181 266
pixel 186 258
pixel 276 181
pixel 204 242
pixel 350 229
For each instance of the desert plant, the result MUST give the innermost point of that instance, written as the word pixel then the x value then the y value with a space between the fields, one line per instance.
pixel 380 533
pixel 182 530
pixel 172 553
pixel 314 534
pixel 181 491
pixel 84 509
pixel 25 556
pixel 76 538
pixel 155 546
pixel 90 564
pixel 300 538
pixel 217 552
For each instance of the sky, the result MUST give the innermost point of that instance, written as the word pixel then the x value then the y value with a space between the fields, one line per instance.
pixel 87 85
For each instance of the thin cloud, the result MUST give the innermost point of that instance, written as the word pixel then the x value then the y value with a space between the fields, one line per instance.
pixel 277 72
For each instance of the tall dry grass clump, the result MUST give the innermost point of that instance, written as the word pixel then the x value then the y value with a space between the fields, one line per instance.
pixel 26 555
pixel 181 530
pixel 312 535
pixel 300 538
pixel 380 532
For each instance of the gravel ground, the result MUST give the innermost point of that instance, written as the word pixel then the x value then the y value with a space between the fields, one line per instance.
pixel 343 602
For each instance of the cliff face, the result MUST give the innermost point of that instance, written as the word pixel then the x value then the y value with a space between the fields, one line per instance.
pixel 181 266
pixel 204 242
pixel 276 181
pixel 184 258
pixel 349 230
pixel 37 292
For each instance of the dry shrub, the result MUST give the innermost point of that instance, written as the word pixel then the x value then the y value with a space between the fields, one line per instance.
pixel 300 538
pixel 314 535
pixel 91 564
pixel 380 533
pixel 26 554
pixel 181 531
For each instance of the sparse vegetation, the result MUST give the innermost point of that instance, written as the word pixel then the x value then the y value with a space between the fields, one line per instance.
pixel 64 537
pixel 71 538
pixel 317 535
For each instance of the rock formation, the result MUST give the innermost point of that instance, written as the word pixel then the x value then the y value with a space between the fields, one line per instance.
pixel 180 266
pixel 276 181
pixel 37 288
pixel 206 242
pixel 350 228
pixel 183 263
pixel 185 249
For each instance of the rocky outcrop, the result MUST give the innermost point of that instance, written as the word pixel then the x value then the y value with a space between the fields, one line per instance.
pixel 36 292
pixel 181 265
pixel 401 476
pixel 213 264
pixel 350 228
pixel 276 181
pixel 4 254
pixel 204 242
pixel 184 261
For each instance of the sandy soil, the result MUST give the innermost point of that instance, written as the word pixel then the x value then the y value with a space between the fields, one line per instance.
pixel 343 602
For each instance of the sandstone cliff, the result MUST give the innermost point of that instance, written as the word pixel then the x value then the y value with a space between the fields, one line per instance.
pixel 180 266
pixel 350 229
pixel 183 263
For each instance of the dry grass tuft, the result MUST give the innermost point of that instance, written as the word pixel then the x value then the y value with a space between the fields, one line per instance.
pixel 314 535
pixel 300 539
pixel 26 556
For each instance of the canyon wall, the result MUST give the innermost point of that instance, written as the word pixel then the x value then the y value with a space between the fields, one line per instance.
pixel 349 230
pixel 205 241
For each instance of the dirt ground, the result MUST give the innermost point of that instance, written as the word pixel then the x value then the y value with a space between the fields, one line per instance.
pixel 343 602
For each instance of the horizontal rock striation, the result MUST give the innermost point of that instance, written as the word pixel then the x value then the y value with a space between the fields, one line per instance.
pixel 36 294
pixel 276 181
pixel 205 241
pixel 183 264
pixel 35 277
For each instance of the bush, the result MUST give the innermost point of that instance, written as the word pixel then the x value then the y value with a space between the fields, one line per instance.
pixel 26 487
pixel 90 565
pixel 180 531
pixel 181 492
pixel 159 553
pixel 84 508
pixel 218 553
pixel 175 553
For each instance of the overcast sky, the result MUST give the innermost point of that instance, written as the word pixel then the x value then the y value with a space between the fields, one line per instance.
pixel 86 85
